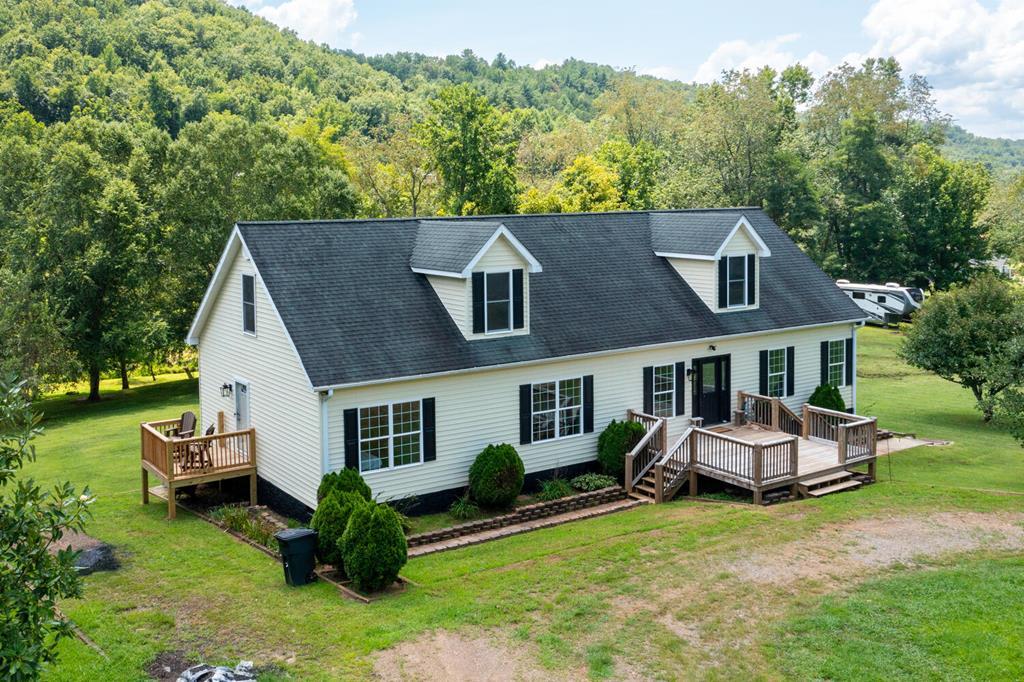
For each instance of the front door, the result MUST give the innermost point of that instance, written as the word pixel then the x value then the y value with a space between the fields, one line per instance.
pixel 241 405
pixel 711 389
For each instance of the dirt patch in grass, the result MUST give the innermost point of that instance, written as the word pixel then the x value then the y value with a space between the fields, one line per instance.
pixel 168 665
pixel 837 553
pixel 454 657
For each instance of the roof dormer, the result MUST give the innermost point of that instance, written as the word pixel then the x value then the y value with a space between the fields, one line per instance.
pixel 717 254
pixel 480 271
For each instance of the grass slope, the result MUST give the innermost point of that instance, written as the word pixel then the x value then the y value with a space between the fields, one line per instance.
pixel 587 598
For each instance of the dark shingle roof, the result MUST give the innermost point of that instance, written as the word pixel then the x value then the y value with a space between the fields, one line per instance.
pixel 449 245
pixel 357 312
pixel 695 233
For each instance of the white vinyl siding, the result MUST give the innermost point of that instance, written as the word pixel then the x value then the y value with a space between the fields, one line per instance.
pixel 474 409
pixel 282 408
pixel 454 293
pixel 701 275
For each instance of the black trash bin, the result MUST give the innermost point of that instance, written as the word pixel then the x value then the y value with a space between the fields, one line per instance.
pixel 298 554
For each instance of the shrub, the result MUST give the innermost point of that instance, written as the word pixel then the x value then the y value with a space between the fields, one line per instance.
pixel 554 489
pixel 373 547
pixel 615 441
pixel 330 520
pixel 829 397
pixel 463 508
pixel 496 477
pixel 345 480
pixel 591 482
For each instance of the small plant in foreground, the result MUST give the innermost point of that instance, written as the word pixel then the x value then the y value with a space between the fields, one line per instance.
pixel 463 508
pixel 496 477
pixel 329 522
pixel 828 397
pixel 373 547
pixel 554 489
pixel 590 482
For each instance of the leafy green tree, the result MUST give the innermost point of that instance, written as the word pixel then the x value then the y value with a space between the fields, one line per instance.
pixel 586 185
pixel 940 203
pixel 32 520
pixel 1003 218
pixel 972 335
pixel 397 176
pixel 474 152
pixel 636 168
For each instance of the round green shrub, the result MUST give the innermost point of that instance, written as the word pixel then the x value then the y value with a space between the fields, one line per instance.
pixel 829 397
pixel 590 482
pixel 329 522
pixel 615 441
pixel 345 480
pixel 373 547
pixel 496 477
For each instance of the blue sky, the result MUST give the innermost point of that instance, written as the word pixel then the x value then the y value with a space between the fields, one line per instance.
pixel 972 52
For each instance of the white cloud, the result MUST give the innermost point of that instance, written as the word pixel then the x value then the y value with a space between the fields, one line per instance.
pixel 322 21
pixel 541 63
pixel 972 55
pixel 774 52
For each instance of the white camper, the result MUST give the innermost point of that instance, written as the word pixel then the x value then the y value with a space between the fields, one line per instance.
pixel 887 303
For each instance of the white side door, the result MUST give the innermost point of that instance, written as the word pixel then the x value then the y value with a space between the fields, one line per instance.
pixel 241 405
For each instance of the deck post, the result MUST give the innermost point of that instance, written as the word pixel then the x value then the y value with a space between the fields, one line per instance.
pixel 794 456
pixel 776 422
pixel 805 427
pixel 629 474
pixel 252 489
pixel 171 511
pixel 841 428
pixel 693 463
pixel 145 485
pixel 758 463
pixel 659 483
pixel 220 421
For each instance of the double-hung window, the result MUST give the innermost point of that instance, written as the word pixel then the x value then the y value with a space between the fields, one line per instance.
pixel 249 304
pixel 390 435
pixel 737 288
pixel 498 301
pixel 777 373
pixel 837 362
pixel 557 409
pixel 664 390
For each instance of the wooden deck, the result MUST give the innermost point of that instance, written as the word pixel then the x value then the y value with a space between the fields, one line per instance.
pixel 766 447
pixel 181 462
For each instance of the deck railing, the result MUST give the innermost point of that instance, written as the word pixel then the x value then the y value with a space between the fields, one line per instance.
pixel 648 449
pixel 857 440
pixel 180 458
pixel 769 413
pixel 674 466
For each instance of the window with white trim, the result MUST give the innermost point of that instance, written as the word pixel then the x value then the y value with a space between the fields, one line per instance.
pixel 736 291
pixel 664 390
pixel 390 435
pixel 249 304
pixel 837 362
pixel 498 301
pixel 777 373
pixel 557 409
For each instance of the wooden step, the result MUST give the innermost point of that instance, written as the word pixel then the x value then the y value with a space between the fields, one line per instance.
pixel 649 489
pixel 845 485
pixel 826 479
pixel 641 497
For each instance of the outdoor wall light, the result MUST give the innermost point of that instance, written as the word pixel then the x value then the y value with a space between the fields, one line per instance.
pixel 712 347
pixel 225 390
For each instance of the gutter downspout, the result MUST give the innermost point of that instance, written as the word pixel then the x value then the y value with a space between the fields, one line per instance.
pixel 325 454
pixel 853 333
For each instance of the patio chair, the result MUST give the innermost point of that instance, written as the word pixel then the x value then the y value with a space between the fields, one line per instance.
pixel 188 425
pixel 198 456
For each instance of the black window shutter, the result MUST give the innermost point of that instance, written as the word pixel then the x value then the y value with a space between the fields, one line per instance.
pixel 351 418
pixel 478 303
pixel 525 414
pixel 649 390
pixel 751 279
pixel 723 282
pixel 517 300
pixel 429 435
pixel 790 370
pixel 588 403
pixel 763 374
pixel 824 362
pixel 680 388
pixel 849 361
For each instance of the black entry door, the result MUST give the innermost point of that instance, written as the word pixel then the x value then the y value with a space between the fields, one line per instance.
pixel 711 389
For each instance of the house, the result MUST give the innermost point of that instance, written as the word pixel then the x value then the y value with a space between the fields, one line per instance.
pixel 402 347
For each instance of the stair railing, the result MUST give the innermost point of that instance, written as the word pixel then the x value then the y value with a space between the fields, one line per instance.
pixel 648 449
pixel 673 468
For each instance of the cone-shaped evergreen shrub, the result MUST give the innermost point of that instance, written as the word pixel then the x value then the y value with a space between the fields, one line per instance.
pixel 329 522
pixel 496 477
pixel 829 397
pixel 373 547
pixel 345 480
pixel 615 441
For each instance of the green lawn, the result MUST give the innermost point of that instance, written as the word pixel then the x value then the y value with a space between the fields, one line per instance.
pixel 598 598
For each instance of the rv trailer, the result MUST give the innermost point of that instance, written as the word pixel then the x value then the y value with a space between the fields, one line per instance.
pixel 885 304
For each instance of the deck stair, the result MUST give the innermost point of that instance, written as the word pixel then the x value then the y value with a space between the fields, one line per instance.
pixel 828 484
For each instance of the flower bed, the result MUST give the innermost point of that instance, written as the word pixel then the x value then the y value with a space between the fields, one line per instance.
pixel 526 513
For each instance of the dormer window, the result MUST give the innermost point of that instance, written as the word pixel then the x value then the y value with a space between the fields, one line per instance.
pixel 497 302
pixel 737 281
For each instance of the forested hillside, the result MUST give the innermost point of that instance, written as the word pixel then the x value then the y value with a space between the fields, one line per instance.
pixel 133 134
pixel 998 154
